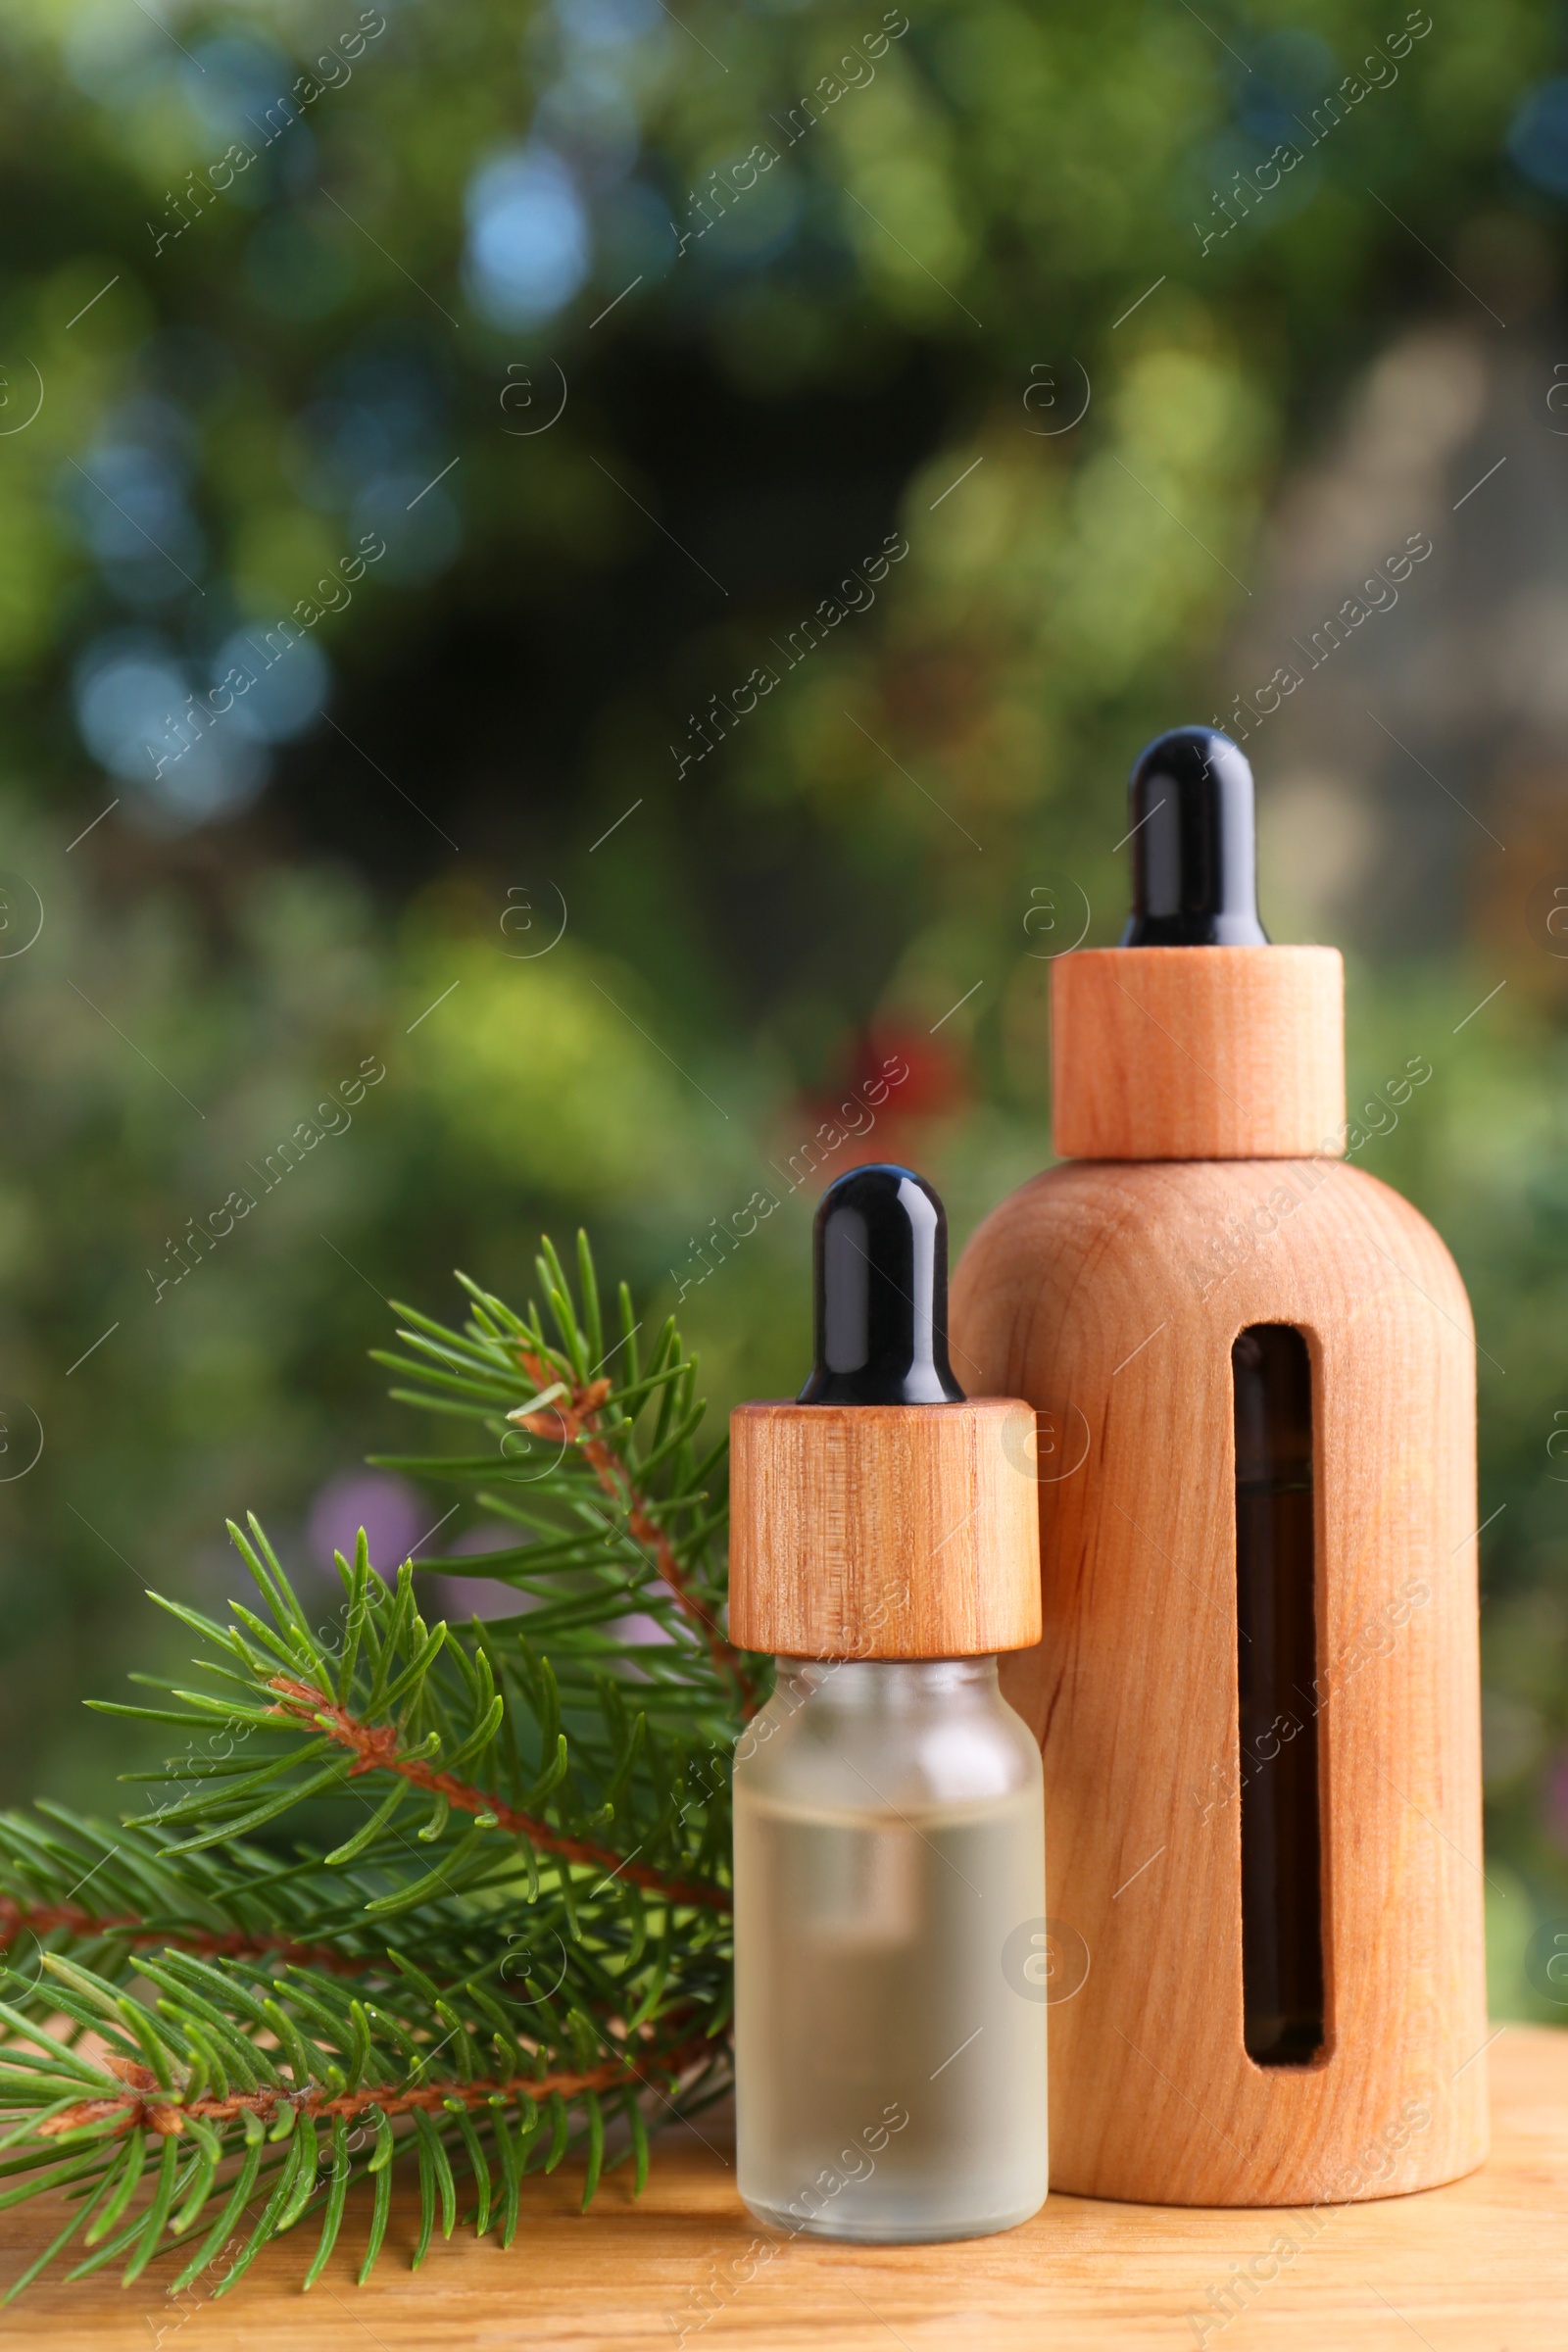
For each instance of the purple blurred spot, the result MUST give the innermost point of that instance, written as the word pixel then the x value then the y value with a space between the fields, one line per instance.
pixel 464 1597
pixel 487 1539
pixel 646 1630
pixel 392 1514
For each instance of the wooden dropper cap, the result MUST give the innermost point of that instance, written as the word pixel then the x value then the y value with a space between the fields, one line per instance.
pixel 883 1514
pixel 1196 1039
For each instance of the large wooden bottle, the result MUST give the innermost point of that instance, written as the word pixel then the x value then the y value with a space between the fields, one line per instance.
pixel 1256 1694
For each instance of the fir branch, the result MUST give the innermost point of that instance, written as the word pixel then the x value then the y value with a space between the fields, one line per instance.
pixel 418 1704
pixel 233 2062
pixel 244 1904
pixel 377 1748
pixel 195 2037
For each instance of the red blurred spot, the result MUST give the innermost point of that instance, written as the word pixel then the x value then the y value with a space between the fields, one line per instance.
pixel 896 1081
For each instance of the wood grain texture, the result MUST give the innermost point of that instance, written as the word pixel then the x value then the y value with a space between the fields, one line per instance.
pixel 884 1531
pixel 1472 2268
pixel 1097 1291
pixel 1198 1052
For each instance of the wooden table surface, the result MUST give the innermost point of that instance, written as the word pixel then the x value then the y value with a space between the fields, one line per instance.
pixel 1478 2266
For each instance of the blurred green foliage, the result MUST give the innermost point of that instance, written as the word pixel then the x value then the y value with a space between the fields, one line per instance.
pixel 510 724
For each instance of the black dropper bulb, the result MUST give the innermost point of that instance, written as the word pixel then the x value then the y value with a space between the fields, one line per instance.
pixel 1195 855
pixel 880 1254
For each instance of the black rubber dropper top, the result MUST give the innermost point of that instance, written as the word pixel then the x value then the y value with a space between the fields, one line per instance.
pixel 879 1254
pixel 1195 855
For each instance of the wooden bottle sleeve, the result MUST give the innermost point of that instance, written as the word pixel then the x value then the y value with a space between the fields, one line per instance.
pixel 1109 1296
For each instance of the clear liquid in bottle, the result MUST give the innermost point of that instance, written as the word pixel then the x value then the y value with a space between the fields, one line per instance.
pixel 890 1929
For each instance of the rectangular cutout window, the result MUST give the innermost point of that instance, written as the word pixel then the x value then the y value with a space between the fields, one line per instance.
pixel 1276 1661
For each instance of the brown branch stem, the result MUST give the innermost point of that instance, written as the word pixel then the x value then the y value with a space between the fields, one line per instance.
pixel 578 1420
pixel 376 1748
pixel 144 2105
pixel 19 1919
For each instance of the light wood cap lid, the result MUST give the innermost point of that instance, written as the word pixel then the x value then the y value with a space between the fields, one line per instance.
pixel 884 1531
pixel 1198 1053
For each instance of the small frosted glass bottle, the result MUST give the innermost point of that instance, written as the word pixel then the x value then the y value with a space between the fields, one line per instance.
pixel 889 1973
